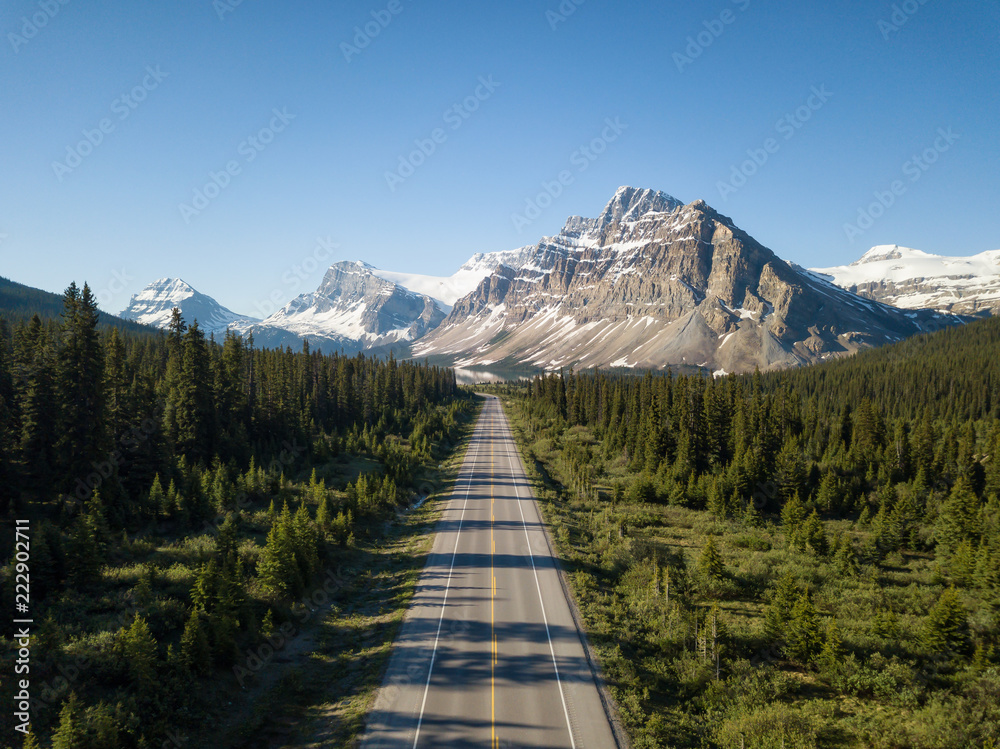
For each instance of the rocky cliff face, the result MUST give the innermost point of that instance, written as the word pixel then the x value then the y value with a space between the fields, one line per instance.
pixel 651 282
pixel 913 279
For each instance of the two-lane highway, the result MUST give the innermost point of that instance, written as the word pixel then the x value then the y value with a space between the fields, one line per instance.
pixel 489 654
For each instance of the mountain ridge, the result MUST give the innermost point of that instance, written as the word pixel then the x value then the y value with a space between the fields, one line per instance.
pixel 915 279
pixel 651 282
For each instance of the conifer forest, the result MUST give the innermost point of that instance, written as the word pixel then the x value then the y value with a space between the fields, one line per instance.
pixel 191 502
pixel 808 558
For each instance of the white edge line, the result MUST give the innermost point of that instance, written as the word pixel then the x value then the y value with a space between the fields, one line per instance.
pixel 437 636
pixel 538 587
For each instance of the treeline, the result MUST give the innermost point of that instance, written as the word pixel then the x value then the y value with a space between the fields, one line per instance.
pixel 840 523
pixel 735 447
pixel 178 494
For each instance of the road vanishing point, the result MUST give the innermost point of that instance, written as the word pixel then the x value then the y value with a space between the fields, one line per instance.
pixel 489 654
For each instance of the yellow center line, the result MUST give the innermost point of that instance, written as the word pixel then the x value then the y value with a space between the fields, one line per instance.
pixel 495 741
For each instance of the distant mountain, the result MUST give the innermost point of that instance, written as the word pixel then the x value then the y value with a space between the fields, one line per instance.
pixel 652 282
pixel 18 302
pixel 446 290
pixel 913 279
pixel 353 309
pixel 155 303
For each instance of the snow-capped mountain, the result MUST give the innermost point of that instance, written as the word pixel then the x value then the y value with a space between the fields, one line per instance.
pixel 154 304
pixel 446 290
pixel 353 309
pixel 651 282
pixel 913 279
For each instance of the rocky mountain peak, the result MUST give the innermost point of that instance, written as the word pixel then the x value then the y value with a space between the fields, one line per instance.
pixel 631 203
pixel 652 282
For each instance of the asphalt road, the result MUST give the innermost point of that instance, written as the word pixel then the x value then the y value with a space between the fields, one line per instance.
pixel 489 655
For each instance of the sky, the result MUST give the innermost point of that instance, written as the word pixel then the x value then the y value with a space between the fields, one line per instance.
pixel 246 145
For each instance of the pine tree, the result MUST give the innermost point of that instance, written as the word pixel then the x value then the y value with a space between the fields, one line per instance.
pixel 36 404
pixel 710 563
pixel 845 561
pixel 195 652
pixel 278 567
pixel 192 398
pixel 789 472
pixel 138 648
pixel 946 628
pixel 828 497
pixel 832 652
pixel 717 504
pixel 116 387
pixel 306 543
pixel 323 515
pixel 792 515
pixel 802 634
pixel 814 536
pixel 83 548
pixel 959 514
pixel 70 733
pixel 80 444
pixel 776 614
pixel 157 497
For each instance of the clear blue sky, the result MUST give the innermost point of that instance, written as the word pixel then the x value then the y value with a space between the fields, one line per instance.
pixel 324 173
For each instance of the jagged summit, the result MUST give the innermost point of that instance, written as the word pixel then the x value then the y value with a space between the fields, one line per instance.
pixel 631 203
pixel 652 282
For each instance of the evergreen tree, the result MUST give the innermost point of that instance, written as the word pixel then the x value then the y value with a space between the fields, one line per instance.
pixel 195 652
pixel 959 514
pixel 138 648
pixel 803 640
pixel 80 443
pixel 782 597
pixel 70 734
pixel 828 497
pixel 710 563
pixel 789 472
pixel 278 567
pixel 36 403
pixel 193 406
pixel 845 561
pixel 814 536
pixel 946 628
pixel 792 515
pixel 832 652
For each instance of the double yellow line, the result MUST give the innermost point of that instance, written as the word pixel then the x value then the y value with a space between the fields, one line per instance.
pixel 495 743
